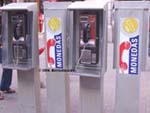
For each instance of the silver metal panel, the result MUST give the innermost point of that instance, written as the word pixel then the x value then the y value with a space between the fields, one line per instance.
pixel 127 94
pixel 145 38
pixel 58 96
pixel 71 46
pixel 105 38
pixel 135 14
pixel 128 84
pixel 35 40
pixel 29 100
pixel 58 82
pixel 131 4
pixel 62 14
pixel 99 4
pixel 20 6
pixel 52 5
pixel 148 48
pixel 91 95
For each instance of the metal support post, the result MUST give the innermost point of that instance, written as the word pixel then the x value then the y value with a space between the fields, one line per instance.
pixel 29 91
pixel 91 95
pixel 131 33
pixel 58 92
pixel 56 18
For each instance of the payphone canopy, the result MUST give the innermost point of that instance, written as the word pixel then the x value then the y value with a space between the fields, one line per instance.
pixel 88 59
pixel 91 5
pixel 20 19
pixel 20 6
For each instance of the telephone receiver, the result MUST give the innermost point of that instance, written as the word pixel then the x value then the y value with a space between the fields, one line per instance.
pixel 50 43
pixel 18 30
pixel 86 32
pixel 124 46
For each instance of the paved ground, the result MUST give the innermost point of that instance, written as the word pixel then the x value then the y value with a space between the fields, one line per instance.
pixel 9 105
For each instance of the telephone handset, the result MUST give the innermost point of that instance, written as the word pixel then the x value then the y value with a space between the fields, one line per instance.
pixel 18 29
pixel 123 46
pixel 86 33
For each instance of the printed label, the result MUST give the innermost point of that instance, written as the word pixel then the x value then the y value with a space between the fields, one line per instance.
pixel 54 42
pixel 133 55
pixel 54 24
pixel 130 25
pixel 58 51
pixel 129 46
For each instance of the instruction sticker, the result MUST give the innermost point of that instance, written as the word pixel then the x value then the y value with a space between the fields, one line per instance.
pixel 129 46
pixel 54 43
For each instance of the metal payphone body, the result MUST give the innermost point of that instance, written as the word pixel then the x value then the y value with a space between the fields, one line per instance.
pixel 20 42
pixel 20 51
pixel 56 22
pixel 87 51
pixel 87 46
pixel 130 51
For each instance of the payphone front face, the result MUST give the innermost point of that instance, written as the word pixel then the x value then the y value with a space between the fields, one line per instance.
pixel 89 39
pixel 20 33
pixel 88 42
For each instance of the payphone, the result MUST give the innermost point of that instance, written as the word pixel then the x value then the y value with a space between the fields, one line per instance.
pixel 20 52
pixel 89 38
pixel 88 44
pixel 87 48
pixel 20 45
